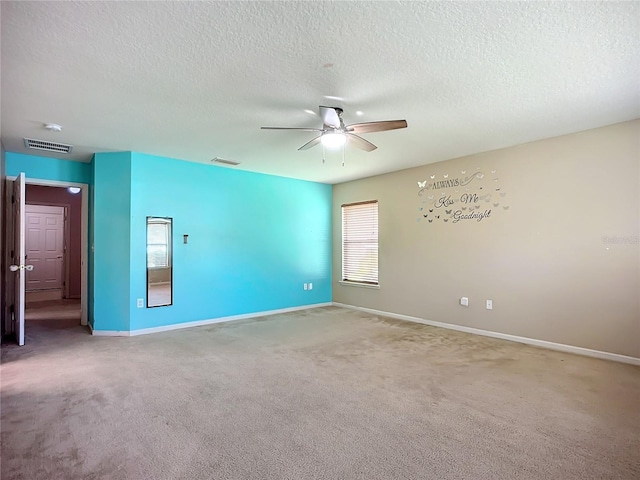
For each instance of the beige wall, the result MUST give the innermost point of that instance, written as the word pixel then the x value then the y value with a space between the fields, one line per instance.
pixel 159 275
pixel 561 263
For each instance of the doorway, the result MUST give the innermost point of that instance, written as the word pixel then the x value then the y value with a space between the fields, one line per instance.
pixel 71 309
pixel 53 246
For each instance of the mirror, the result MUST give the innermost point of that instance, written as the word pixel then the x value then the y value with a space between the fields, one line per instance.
pixel 159 262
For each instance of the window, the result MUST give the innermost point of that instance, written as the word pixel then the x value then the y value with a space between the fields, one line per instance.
pixel 158 235
pixel 360 242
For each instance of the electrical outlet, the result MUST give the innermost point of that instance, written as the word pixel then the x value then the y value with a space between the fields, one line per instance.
pixel 489 304
pixel 305 286
pixel 310 286
pixel 140 302
pixel 464 301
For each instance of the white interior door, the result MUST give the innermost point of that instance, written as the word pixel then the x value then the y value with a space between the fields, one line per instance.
pixel 18 266
pixel 45 247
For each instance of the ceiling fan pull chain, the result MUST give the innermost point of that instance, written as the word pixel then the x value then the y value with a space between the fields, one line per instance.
pixel 343 155
pixel 323 153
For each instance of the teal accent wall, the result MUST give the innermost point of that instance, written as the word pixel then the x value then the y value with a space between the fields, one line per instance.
pixel 253 240
pixel 111 234
pixel 45 168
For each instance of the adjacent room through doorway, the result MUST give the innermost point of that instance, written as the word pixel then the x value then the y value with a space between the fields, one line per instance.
pixel 53 246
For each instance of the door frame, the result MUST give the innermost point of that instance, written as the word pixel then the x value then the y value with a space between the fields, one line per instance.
pixel 84 234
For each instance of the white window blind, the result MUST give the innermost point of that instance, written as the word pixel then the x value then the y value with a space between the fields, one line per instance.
pixel 360 242
pixel 158 244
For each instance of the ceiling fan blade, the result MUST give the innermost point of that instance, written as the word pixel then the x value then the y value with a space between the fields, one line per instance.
pixel 330 117
pixel 360 142
pixel 311 143
pixel 293 128
pixel 376 126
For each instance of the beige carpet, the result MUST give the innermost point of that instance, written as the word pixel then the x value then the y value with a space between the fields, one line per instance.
pixel 327 393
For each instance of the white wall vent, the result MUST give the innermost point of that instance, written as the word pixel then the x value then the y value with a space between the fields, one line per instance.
pixel 47 146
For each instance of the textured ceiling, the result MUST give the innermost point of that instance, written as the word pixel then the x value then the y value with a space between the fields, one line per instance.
pixel 196 80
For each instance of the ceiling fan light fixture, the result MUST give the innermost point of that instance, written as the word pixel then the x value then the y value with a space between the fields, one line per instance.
pixel 333 139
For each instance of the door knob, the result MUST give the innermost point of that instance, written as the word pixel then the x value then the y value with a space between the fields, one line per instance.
pixel 15 268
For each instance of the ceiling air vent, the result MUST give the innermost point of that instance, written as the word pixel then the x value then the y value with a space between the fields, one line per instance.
pixel 225 162
pixel 47 146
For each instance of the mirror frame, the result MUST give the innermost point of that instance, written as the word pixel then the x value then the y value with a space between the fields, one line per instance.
pixel 169 221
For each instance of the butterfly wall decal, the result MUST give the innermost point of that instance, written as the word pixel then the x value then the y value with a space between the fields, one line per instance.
pixel 422 184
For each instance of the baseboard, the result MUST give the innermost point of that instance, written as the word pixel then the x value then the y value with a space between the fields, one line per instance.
pixel 503 336
pixel 200 323
pixel 35 296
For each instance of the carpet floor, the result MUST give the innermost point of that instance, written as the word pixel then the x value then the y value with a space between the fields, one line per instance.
pixel 325 393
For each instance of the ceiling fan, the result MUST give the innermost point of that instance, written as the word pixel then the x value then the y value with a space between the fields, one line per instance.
pixel 334 133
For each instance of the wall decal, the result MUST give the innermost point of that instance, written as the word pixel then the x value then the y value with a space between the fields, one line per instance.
pixel 455 207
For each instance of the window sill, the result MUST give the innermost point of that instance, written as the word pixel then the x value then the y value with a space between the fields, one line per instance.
pixel 357 284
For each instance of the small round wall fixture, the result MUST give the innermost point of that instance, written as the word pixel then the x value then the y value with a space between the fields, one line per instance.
pixel 74 190
pixel 53 127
